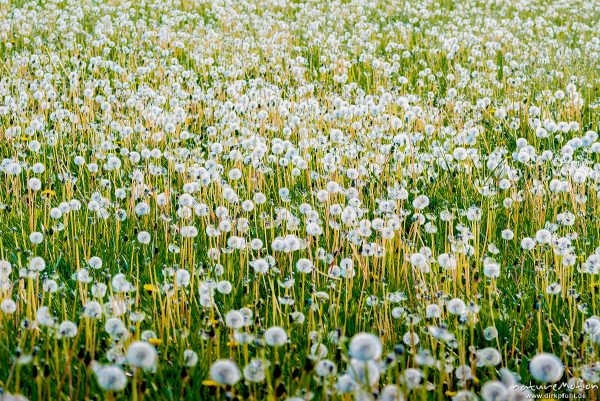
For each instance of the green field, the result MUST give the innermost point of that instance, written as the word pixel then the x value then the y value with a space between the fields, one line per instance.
pixel 299 200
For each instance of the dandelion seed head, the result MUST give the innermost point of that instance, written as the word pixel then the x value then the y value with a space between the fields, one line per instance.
pixel 275 336
pixel 225 372
pixel 546 368
pixel 365 347
pixel 140 354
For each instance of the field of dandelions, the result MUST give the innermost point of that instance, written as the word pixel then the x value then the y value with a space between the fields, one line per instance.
pixel 299 200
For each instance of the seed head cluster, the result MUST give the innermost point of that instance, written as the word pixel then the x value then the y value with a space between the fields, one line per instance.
pixel 299 200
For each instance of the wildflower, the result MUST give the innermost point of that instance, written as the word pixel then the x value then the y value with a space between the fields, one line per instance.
pixel 143 237
pixel 8 306
pixel 546 368
pixel 493 391
pixel 190 358
pixel 225 372
pixel 421 202
pixel 95 262
pixel 411 339
pixel 275 336
pixel 36 237
pixel 543 236
pixel 553 289
pixel 182 278
pixel 150 288
pixel 115 328
pixel 297 317
pixel 260 265
pixel 364 372
pixel 92 310
pixel 391 392
pixel 37 264
pixel 67 329
pixel 365 347
pixel 591 326
pixel 141 354
pixel 413 378
pixel 346 384
pixel 34 184
pixel 319 350
pixel 419 261
pixel 189 232
pixel 5 268
pixel 110 377
pixel 490 333
pixel 463 372
pixel 304 266
pixel 234 319
pixel 83 276
pixel 325 368
pixel 456 306
pixel 155 341
pixel 447 261
pixel 43 317
pixel 491 268
pixel 527 244
pixel 433 311
pixel 224 287
pixel 507 234
pixel 488 357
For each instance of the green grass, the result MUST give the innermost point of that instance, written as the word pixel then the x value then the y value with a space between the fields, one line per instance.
pixel 313 68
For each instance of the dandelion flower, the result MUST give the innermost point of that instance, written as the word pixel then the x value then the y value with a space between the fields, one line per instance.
pixel 37 264
pixel 8 306
pixel 275 336
pixel 365 347
pixel 546 368
pixel 364 372
pixel 141 354
pixel 325 368
pixel 234 320
pixel 493 391
pixel 225 372
pixel 67 329
pixel 36 237
pixel 110 378
pixel 456 306
pixel 254 372
pixel 190 358
pixel 488 357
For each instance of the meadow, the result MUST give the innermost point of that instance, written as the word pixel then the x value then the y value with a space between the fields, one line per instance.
pixel 299 200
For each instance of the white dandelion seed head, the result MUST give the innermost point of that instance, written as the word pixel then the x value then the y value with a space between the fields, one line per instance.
pixel 364 372
pixel 234 319
pixel 225 372
pixel 66 329
pixel 365 347
pixel 493 391
pixel 8 306
pixel 275 336
pixel 110 377
pixel 37 264
pixel 546 368
pixel 190 358
pixel 141 354
pixel 325 368
pixel 254 372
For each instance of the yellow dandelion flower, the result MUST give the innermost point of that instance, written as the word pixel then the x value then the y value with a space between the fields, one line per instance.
pixel 149 287
pixel 49 192
pixel 155 341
